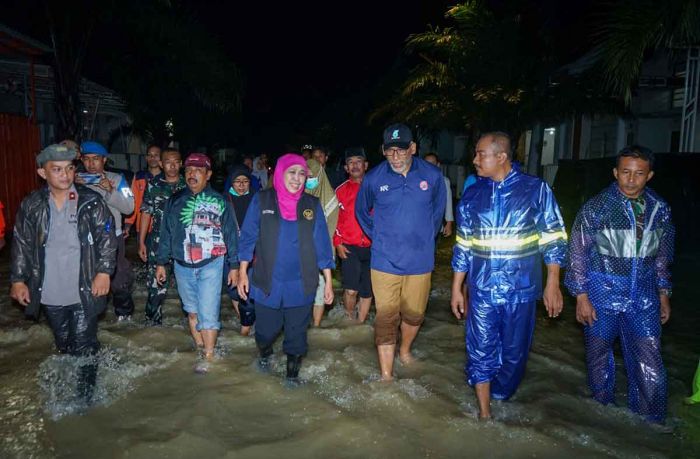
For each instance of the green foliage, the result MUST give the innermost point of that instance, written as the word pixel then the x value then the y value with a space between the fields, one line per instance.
pixel 629 29
pixel 489 69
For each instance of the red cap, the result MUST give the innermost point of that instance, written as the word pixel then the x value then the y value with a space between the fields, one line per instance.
pixel 198 160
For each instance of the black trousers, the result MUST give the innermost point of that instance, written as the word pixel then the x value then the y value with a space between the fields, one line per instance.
pixel 75 333
pixel 270 322
pixel 121 283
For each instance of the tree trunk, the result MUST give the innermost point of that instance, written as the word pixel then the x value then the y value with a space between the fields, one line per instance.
pixel 70 30
pixel 67 100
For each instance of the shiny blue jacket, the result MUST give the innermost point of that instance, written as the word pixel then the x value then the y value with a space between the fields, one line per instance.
pixel 604 261
pixel 503 231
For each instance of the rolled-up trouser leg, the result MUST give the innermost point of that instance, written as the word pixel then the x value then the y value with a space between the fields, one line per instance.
pixel 600 362
pixel 59 318
pixel 85 345
pixel 640 336
pixel 415 289
pixel 387 297
pixel 483 341
pixel 517 329
pixel 122 281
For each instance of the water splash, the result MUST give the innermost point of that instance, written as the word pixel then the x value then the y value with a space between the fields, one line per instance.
pixel 117 375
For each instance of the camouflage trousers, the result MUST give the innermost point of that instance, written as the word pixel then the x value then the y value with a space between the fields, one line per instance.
pixel 156 291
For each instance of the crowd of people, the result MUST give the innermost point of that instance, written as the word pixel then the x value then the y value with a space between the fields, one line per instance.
pixel 273 239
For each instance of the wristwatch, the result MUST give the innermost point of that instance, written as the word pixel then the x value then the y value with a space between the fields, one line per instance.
pixel 666 292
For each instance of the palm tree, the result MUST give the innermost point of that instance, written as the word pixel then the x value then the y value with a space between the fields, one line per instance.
pixel 629 29
pixel 488 69
pixel 492 68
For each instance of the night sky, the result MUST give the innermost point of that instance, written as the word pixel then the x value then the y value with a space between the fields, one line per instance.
pixel 303 61
pixel 312 69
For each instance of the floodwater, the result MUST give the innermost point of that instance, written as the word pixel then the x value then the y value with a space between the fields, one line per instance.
pixel 151 404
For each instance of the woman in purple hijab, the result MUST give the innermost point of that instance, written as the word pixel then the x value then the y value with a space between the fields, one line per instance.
pixel 286 231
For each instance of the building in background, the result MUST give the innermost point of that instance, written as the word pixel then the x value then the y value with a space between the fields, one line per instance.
pixel 27 89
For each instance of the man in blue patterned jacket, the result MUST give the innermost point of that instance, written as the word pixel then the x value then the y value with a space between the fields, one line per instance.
pixel 506 223
pixel 619 258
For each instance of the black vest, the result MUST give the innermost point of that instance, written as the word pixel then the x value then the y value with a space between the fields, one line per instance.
pixel 266 246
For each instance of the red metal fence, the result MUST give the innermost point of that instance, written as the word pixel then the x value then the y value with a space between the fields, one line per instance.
pixel 19 144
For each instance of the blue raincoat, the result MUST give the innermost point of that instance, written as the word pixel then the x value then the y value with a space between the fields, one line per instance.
pixel 622 268
pixel 504 229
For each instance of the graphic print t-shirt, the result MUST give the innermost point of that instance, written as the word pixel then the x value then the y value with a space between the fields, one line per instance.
pixel 202 219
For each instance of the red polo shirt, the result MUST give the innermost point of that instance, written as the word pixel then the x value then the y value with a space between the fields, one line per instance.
pixel 348 230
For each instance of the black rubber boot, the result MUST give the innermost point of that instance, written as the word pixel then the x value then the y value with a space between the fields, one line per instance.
pixel 264 359
pixel 293 366
pixel 87 378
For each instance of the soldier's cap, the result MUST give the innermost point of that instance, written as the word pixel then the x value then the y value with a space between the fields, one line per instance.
pixel 55 152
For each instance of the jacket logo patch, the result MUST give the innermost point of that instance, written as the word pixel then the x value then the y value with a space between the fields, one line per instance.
pixel 384 188
pixel 423 185
pixel 268 211
pixel 308 214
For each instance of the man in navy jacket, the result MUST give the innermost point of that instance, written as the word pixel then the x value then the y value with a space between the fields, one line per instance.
pixel 400 207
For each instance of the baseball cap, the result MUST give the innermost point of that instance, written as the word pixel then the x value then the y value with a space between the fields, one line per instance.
pixel 354 151
pixel 198 160
pixel 397 135
pixel 55 152
pixel 90 147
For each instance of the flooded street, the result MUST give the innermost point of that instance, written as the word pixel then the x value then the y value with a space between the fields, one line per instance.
pixel 151 403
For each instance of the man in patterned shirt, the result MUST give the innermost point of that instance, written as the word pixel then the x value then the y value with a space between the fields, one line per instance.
pixel 619 271
pixel 159 190
pixel 198 231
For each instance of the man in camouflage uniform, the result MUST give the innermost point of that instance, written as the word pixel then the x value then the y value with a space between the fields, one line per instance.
pixel 159 190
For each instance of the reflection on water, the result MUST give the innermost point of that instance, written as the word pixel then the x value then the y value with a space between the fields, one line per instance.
pixel 149 402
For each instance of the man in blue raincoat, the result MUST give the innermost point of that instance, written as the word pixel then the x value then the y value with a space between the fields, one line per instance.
pixel 619 271
pixel 506 223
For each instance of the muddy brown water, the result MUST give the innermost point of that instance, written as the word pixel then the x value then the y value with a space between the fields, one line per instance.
pixel 151 404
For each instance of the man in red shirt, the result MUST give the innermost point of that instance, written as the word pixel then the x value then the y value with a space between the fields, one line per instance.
pixel 350 242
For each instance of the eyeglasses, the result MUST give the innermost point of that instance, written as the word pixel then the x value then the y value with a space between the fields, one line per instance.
pixel 400 152
pixel 241 182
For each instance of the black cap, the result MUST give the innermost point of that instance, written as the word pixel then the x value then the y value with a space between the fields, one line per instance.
pixel 354 151
pixel 397 135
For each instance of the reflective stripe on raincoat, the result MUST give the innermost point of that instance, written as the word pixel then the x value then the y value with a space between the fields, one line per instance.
pixel 604 260
pixel 502 228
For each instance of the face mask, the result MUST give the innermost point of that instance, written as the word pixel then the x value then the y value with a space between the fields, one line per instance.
pixel 235 193
pixel 312 183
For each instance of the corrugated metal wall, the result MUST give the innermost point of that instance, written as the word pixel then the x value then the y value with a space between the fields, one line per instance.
pixel 19 144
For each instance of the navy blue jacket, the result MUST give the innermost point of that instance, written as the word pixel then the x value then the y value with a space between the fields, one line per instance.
pixel 287 289
pixel 402 216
